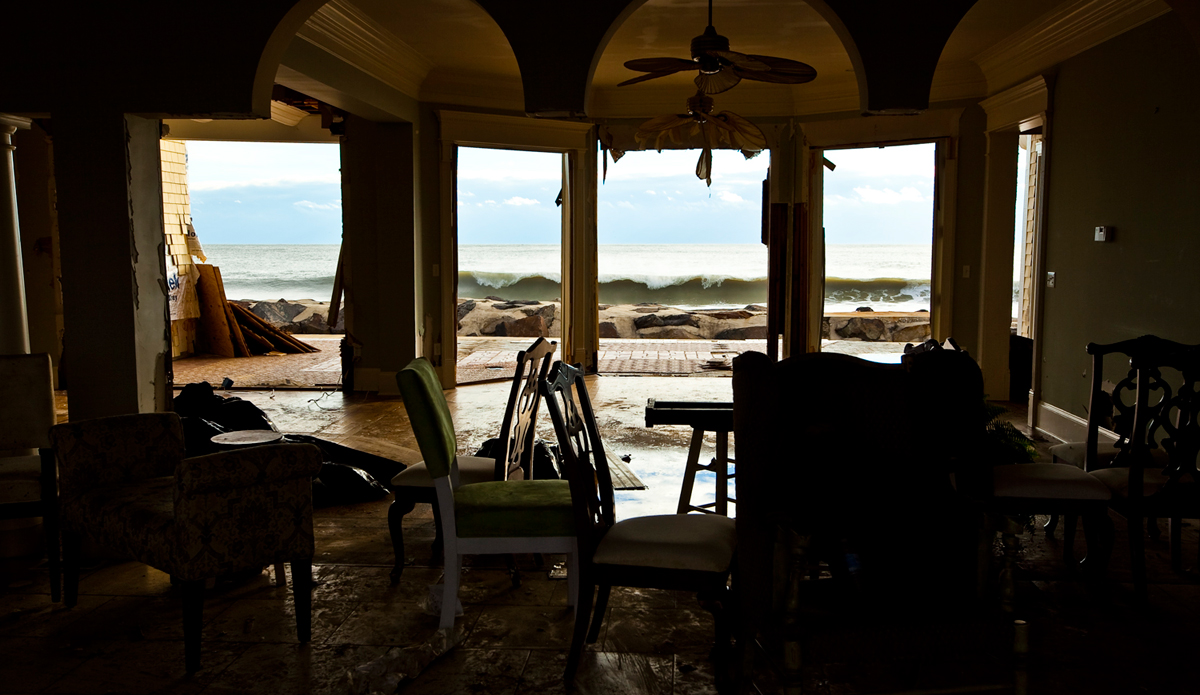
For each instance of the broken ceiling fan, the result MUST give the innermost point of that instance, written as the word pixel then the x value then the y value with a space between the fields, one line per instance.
pixel 720 70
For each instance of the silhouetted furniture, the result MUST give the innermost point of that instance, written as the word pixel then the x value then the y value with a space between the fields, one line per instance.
pixel 28 480
pixel 496 516
pixel 839 461
pixel 415 484
pixel 1166 420
pixel 128 490
pixel 701 417
pixel 1111 409
pixel 692 552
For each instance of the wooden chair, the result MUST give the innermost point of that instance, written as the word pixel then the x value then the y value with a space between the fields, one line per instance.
pixel 127 489
pixel 28 478
pixel 1167 422
pixel 415 484
pixel 492 517
pixel 670 551
pixel 1114 411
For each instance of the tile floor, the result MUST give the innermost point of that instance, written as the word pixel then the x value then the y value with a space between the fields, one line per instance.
pixel 125 635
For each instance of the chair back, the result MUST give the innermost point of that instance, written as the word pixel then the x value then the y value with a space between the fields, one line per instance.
pixel 112 450
pixel 1166 418
pixel 584 460
pixel 26 403
pixel 517 431
pixel 429 415
pixel 1148 351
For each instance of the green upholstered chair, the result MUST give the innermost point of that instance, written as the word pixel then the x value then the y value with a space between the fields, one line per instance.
pixel 492 517
pixel 415 484
pixel 126 488
pixel 689 552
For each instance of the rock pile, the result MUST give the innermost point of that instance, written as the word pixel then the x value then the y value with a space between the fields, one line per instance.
pixel 299 316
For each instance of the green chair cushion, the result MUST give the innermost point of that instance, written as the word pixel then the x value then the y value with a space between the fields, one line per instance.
pixel 471 470
pixel 514 509
pixel 429 414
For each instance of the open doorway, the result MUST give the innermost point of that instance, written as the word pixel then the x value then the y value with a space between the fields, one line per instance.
pixel 254 233
pixel 509 220
pixel 1020 347
pixel 682 270
pixel 878 215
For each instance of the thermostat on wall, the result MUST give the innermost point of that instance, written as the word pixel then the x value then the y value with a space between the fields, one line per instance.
pixel 1104 233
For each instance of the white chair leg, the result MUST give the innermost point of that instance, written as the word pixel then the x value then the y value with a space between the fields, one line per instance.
pixel 453 568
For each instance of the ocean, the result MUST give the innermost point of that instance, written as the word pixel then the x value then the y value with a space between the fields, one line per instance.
pixel 886 277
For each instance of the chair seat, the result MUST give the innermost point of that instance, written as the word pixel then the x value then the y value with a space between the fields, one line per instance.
pixel 1046 481
pixel 1117 480
pixel 514 509
pixel 1075 452
pixel 133 520
pixel 697 542
pixel 20 479
pixel 471 470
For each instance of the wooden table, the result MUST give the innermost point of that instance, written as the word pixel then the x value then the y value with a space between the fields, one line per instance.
pixel 701 417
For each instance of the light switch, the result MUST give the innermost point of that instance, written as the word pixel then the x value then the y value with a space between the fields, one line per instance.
pixel 1050 279
pixel 1104 233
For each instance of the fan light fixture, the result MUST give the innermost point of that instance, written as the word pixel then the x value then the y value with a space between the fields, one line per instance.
pixel 725 128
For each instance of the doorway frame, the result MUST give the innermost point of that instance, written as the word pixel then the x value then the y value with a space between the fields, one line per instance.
pixel 576 141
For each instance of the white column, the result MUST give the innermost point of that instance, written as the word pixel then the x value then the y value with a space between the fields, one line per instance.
pixel 14 323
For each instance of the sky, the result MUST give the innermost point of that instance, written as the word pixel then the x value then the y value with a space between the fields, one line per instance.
pixel 284 193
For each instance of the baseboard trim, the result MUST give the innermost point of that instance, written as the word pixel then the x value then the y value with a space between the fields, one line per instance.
pixel 1056 423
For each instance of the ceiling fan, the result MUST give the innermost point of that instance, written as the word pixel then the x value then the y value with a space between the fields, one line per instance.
pixel 720 68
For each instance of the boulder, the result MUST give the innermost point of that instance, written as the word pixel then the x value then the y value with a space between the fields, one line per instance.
pixel 313 324
pixel 494 298
pixel 547 312
pixel 652 320
pixel 608 329
pixel 647 321
pixel 865 309
pixel 728 315
pixel 746 333
pixel 912 333
pixel 866 329
pixel 515 304
pixel 755 307
pixel 670 333
pixel 277 313
pixel 528 327
pixel 464 308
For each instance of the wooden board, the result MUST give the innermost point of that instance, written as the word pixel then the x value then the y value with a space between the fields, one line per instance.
pixel 235 331
pixel 622 477
pixel 214 335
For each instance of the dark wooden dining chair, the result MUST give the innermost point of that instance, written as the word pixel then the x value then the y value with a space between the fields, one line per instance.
pixel 691 552
pixel 414 484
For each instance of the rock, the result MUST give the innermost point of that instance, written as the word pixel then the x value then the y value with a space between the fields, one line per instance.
pixel 603 307
pixel 608 329
pixel 670 333
pixel 865 309
pixel 755 307
pixel 747 333
pixel 277 313
pixel 866 329
pixel 680 320
pixel 647 309
pixel 912 333
pixel 737 314
pixel 528 327
pixel 465 308
pixel 494 298
pixel 547 312
pixel 647 321
pixel 515 303
pixel 313 324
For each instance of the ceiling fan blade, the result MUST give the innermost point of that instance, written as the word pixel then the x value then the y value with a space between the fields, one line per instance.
pixel 663 65
pixel 643 78
pixel 717 82
pixel 741 60
pixel 795 71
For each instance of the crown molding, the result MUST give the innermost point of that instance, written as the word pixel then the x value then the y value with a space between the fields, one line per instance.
pixel 958 80
pixel 1012 106
pixel 484 129
pixel 286 114
pixel 1061 34
pixel 15 122
pixel 346 32
pixel 477 90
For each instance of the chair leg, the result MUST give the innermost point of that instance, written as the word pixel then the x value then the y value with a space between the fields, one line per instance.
pixel 439 541
pixel 50 528
pixel 450 575
pixel 598 614
pixel 401 505
pixel 1176 544
pixel 1137 555
pixel 1050 525
pixel 1070 522
pixel 573 579
pixel 302 597
pixel 583 614
pixel 71 548
pixel 1098 530
pixel 514 572
pixel 193 621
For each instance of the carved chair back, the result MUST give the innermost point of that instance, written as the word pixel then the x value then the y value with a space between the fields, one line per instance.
pixel 520 415
pixel 1169 420
pixel 584 460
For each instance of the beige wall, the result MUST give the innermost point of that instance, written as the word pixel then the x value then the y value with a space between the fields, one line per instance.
pixel 1123 152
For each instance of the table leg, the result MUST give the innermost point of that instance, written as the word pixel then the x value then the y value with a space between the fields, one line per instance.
pixel 722 463
pixel 689 473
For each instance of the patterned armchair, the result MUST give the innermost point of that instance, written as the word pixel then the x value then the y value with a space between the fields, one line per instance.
pixel 126 487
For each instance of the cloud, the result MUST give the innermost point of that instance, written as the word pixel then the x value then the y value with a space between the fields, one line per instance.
pixel 467 194
pixel 518 200
pixel 490 202
pixel 731 197
pixel 651 192
pixel 195 184
pixel 898 160
pixel 887 196
pixel 625 204
pixel 309 205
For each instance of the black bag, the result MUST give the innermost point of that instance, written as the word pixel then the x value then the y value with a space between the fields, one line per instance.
pixel 546 464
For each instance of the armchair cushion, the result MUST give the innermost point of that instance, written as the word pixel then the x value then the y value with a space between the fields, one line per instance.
pixel 514 509
pixel 702 543
pixel 132 520
pixel 112 450
pixel 20 479
pixel 1117 480
pixel 471 469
